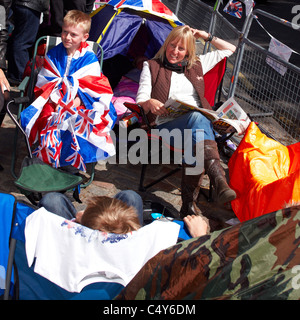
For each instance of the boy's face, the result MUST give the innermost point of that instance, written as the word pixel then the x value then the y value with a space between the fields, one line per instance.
pixel 72 36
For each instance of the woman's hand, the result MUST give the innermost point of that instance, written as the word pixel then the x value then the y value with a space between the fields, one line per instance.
pixel 196 225
pixel 199 33
pixel 220 44
pixel 155 106
pixel 79 215
pixel 3 82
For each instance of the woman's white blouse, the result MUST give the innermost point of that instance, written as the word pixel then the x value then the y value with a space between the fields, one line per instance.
pixel 181 88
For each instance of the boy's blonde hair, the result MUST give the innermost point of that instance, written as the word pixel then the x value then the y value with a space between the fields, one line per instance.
pixel 110 215
pixel 76 17
pixel 181 33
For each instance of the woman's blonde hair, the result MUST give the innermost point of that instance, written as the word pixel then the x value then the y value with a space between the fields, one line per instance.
pixel 181 33
pixel 110 215
pixel 76 17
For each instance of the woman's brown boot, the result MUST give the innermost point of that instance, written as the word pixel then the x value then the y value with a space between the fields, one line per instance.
pixel 190 188
pixel 216 173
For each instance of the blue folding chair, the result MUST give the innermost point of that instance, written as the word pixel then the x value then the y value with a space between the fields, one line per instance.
pixel 7 204
pixel 10 222
pixel 17 279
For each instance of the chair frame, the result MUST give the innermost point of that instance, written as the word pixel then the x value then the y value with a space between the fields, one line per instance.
pixel 30 196
pixel 12 246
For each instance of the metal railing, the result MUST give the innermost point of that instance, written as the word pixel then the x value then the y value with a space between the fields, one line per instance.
pixel 268 86
pixel 272 98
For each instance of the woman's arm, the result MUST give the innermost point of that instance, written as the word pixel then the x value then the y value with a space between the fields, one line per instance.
pixel 155 106
pixel 143 97
pixel 211 58
pixel 220 44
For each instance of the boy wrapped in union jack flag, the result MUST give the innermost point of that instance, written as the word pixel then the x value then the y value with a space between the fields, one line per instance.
pixel 72 116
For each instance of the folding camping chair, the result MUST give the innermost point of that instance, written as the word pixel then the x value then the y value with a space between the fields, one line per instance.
pixel 26 88
pixel 17 280
pixel 213 86
pixel 37 177
pixel 8 219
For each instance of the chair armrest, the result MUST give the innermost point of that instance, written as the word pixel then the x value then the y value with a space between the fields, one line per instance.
pixel 19 100
pixel 23 85
pixel 135 107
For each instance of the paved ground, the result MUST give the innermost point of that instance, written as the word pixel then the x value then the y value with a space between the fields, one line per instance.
pixel 110 178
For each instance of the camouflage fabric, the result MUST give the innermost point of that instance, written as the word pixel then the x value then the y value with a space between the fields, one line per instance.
pixel 256 259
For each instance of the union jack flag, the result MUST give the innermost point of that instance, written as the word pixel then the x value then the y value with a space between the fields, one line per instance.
pixel 50 155
pixel 72 135
pixel 85 122
pixel 50 134
pixel 155 7
pixel 75 159
pixel 234 8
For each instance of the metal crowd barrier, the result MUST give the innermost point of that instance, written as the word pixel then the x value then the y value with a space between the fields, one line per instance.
pixel 270 97
pixel 270 93
pixel 194 13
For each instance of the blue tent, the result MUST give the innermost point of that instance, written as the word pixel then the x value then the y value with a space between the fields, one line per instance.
pixel 131 29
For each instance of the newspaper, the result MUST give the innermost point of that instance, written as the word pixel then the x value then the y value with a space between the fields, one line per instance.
pixel 229 117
